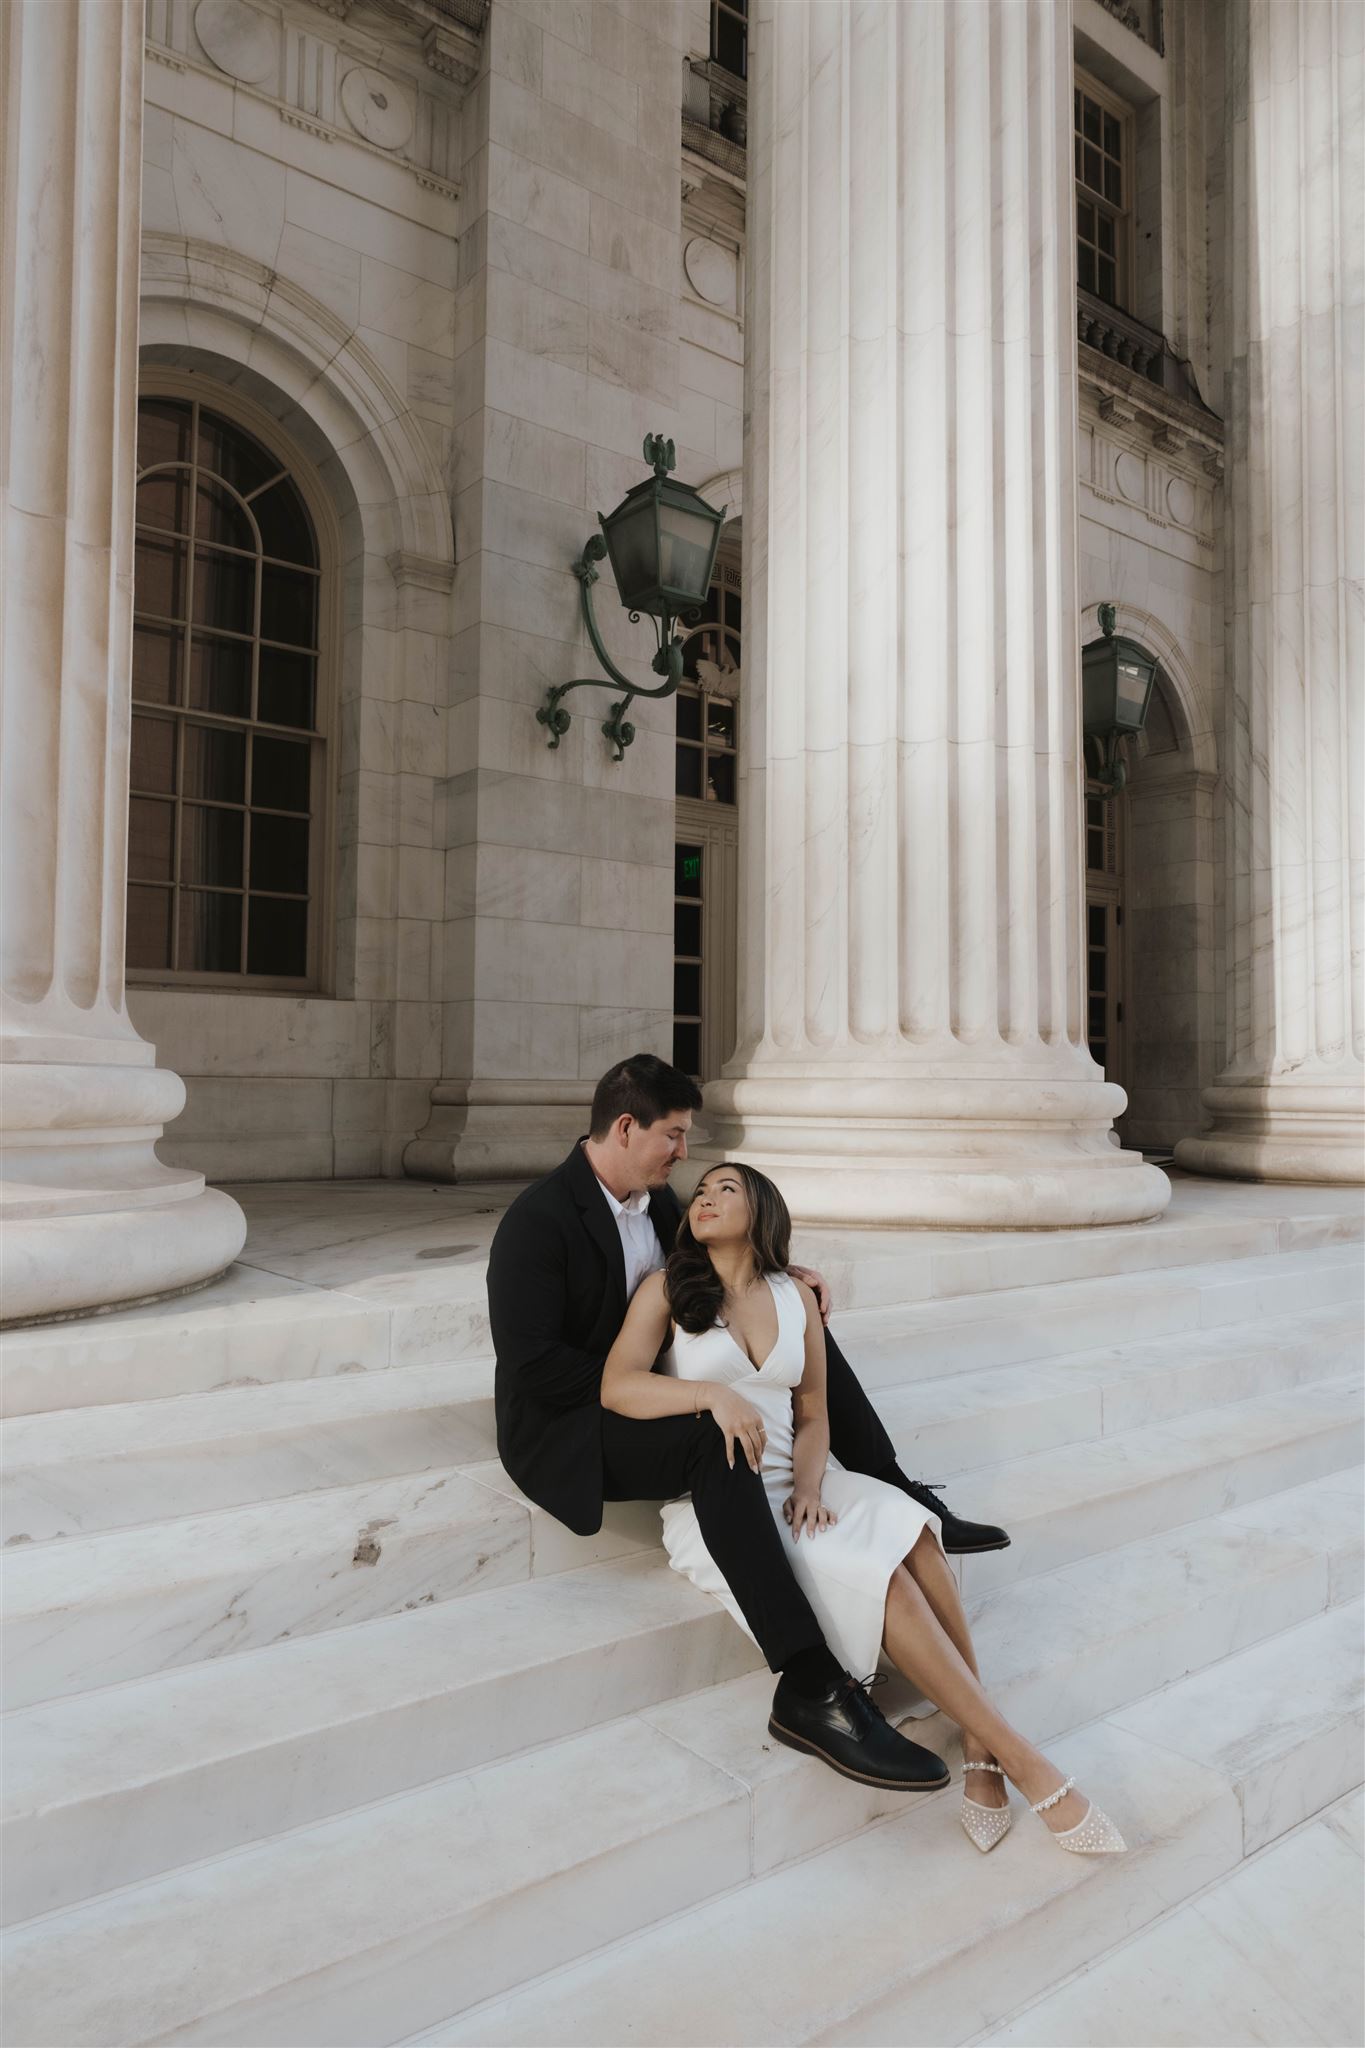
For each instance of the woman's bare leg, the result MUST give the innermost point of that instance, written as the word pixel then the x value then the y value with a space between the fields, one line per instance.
pixel 919 1646
pixel 930 1570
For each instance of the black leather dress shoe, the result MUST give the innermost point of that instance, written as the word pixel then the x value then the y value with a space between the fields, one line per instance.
pixel 960 1538
pixel 849 1734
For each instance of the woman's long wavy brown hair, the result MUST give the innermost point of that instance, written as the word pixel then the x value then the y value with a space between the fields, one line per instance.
pixel 696 1292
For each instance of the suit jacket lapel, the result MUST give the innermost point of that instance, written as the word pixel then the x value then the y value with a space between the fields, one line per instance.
pixel 599 1222
pixel 665 1213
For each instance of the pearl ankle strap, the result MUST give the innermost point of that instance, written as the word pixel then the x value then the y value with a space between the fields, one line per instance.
pixel 984 1767
pixel 1054 1798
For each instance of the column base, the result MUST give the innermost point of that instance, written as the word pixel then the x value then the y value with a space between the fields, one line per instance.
pixel 498 1130
pixel 945 1154
pixel 1289 1130
pixel 90 1219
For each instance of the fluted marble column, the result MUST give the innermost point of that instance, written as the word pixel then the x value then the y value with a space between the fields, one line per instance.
pixel 88 1215
pixel 912 1040
pixel 1289 1103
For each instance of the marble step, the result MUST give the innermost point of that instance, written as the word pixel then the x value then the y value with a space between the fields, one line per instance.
pixel 93 1610
pixel 899 1346
pixel 880 1939
pixel 98 1786
pixel 1060 1505
pixel 71 1472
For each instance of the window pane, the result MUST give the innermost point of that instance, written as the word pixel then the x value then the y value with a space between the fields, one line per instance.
pixel 687 776
pixel 1094 921
pixel 218 517
pixel 1076 105
pixel 1096 1015
pixel 687 928
pixel 220 675
pixel 159 577
pixel 729 50
pixel 1106 235
pixel 1085 268
pixel 720 778
pixel 687 871
pixel 211 846
pixel 286 529
pixel 288 607
pixel 1097 970
pixel 279 856
pixel 1113 184
pixel 689 716
pixel 153 762
pixel 276 937
pixel 279 774
pixel 1085 221
pixel 734 610
pixel 232 453
pixel 156 663
pixel 215 763
pixel 1111 136
pixel 687 990
pixel 151 839
pixel 163 431
pixel 1090 120
pixel 148 942
pixel 1092 169
pixel 687 1048
pixel 284 693
pixel 1106 280
pixel 210 932
pixel 224 591
pixel 720 722
pixel 1079 155
pixel 163 500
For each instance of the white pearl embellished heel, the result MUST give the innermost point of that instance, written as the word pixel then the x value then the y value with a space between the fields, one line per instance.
pixel 1094 1833
pixel 984 1825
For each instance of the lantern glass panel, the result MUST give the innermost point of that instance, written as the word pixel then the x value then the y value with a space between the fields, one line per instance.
pixel 686 545
pixel 632 542
pixel 1099 691
pixel 1131 694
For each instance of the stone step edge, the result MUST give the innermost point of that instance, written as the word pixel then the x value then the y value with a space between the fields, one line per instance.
pixel 832 2026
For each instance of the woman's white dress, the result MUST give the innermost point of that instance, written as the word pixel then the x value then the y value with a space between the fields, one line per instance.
pixel 843 1571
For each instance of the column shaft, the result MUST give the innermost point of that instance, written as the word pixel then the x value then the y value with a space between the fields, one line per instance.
pixel 912 1041
pixel 1289 1103
pixel 90 1215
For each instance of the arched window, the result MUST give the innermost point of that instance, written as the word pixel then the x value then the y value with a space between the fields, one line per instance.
pixel 227 745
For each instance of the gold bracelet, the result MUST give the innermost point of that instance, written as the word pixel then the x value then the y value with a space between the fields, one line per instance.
pixel 696 1405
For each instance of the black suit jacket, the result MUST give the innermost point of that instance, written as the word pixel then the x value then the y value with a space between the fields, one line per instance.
pixel 556 1301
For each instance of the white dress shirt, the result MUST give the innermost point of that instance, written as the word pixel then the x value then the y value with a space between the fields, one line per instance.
pixel 639 1239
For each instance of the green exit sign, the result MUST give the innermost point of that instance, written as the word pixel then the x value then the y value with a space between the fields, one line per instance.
pixel 692 868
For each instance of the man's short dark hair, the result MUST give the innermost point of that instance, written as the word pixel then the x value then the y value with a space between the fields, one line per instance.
pixel 643 1087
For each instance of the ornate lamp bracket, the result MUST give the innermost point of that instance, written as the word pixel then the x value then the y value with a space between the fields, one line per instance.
pixel 667 662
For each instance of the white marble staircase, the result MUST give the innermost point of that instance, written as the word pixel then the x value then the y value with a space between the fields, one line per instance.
pixel 318 1732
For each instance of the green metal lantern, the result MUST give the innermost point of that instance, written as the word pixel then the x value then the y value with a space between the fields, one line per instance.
pixel 1117 678
pixel 661 541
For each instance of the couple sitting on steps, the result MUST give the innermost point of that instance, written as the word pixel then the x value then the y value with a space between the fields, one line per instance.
pixel 645 1352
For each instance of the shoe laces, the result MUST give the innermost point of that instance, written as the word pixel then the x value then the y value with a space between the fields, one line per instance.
pixel 866 1686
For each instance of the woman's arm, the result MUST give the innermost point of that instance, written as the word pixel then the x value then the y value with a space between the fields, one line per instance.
pixel 631 1387
pixel 810 1450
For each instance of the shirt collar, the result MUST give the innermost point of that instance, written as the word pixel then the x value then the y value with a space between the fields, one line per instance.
pixel 634 1205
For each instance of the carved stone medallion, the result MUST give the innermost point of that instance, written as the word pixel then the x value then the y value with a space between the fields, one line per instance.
pixel 376 108
pixel 238 39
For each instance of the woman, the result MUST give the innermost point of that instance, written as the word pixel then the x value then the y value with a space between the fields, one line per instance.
pixel 746 1338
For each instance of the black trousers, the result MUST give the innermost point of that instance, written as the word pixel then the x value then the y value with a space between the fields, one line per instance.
pixel 672 1455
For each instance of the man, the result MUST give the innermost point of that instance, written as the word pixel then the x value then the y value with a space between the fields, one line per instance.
pixel 566 1258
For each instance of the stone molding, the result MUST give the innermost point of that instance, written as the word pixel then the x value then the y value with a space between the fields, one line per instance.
pixel 243 294
pixel 421 572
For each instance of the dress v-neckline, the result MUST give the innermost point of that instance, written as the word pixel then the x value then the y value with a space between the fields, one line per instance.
pixel 777 1310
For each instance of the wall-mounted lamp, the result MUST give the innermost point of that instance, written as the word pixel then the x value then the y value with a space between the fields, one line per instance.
pixel 661 541
pixel 1116 688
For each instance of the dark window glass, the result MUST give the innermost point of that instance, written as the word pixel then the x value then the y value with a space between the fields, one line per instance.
pixel 286 530
pixel 211 846
pixel 163 431
pixel 153 758
pixel 687 876
pixel 279 774
pixel 1105 236
pixel 279 856
pixel 1105 280
pixel 231 454
pixel 1085 220
pixel 288 606
pixel 285 691
pixel 1094 920
pixel 734 611
pixel 224 591
pixel 148 944
pixel 1093 175
pixel 689 716
pixel 210 931
pixel 720 780
pixel 151 839
pixel 688 777
pixel 1090 120
pixel 277 937
pixel 687 929
pixel 220 675
pixel 728 41
pixel 1085 268
pixel 687 989
pixel 163 500
pixel 160 577
pixel 1113 184
pixel 720 723
pixel 215 763
pixel 687 1047
pixel 156 664
pixel 1111 136
pixel 219 517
